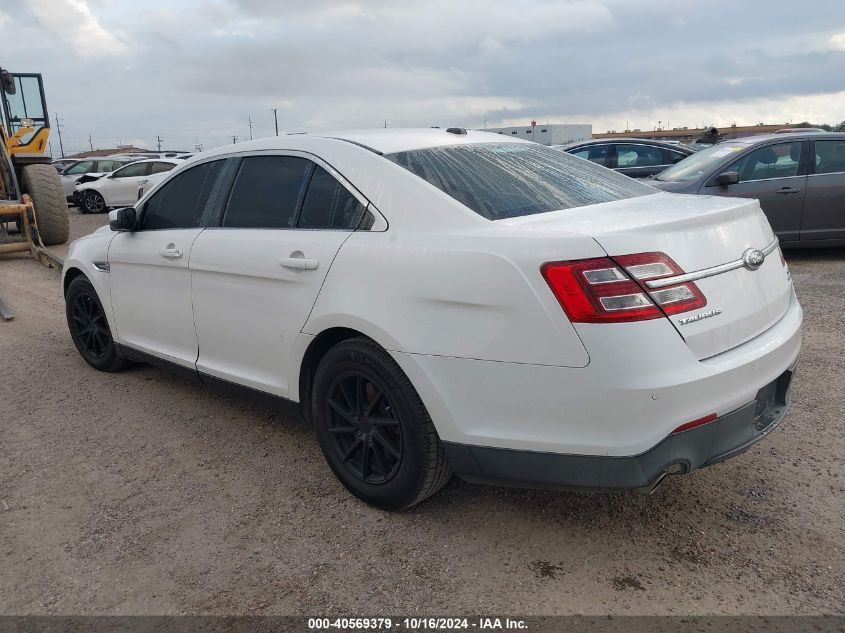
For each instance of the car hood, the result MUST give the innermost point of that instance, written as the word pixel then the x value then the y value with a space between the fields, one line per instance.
pixel 673 186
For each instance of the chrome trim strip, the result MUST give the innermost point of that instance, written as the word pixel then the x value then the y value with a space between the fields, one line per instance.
pixel 707 272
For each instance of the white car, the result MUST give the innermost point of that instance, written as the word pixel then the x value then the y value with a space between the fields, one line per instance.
pixel 87 169
pixel 125 186
pixel 440 300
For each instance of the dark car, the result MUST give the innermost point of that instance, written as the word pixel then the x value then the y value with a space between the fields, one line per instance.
pixel 638 158
pixel 798 178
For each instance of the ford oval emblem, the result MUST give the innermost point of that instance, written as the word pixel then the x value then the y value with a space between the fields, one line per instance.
pixel 753 258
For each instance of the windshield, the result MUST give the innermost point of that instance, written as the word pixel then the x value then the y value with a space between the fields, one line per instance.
pixel 506 180
pixel 695 165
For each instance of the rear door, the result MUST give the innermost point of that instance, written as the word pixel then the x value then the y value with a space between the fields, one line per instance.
pixel 149 277
pixel 824 204
pixel 776 175
pixel 256 276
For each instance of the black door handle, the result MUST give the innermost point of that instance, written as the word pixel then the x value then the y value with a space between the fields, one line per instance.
pixel 788 190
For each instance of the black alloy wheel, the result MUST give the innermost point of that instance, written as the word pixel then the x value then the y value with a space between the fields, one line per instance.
pixel 365 432
pixel 89 327
pixel 374 429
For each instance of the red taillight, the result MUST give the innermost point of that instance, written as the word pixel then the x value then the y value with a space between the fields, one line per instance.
pixel 605 290
pixel 696 423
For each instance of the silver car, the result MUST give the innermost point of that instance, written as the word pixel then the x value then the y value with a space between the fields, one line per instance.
pixel 798 178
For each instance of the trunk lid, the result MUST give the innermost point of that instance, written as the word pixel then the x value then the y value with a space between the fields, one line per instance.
pixel 698 233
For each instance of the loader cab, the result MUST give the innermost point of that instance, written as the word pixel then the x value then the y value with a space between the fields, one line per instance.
pixel 23 108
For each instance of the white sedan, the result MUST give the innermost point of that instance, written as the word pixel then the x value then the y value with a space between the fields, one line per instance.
pixel 438 301
pixel 125 186
pixel 88 168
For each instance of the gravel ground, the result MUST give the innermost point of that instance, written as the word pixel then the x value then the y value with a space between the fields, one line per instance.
pixel 140 492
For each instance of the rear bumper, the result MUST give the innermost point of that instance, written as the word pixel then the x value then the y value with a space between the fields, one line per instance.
pixel 709 444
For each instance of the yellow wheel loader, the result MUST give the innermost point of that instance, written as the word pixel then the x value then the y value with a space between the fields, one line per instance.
pixel 31 196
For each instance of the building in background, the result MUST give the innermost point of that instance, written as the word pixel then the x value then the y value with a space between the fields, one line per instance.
pixel 692 133
pixel 547 134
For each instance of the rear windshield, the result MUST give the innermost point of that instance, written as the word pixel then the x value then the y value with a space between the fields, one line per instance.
pixel 506 180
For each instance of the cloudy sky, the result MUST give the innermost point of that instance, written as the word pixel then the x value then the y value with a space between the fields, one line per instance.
pixel 196 70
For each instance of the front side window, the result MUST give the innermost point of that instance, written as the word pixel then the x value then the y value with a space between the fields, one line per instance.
pixel 506 180
pixel 594 153
pixel 638 156
pixel 830 157
pixel 328 204
pixel 180 203
pixel 772 161
pixel 80 168
pixel 266 192
pixel 135 169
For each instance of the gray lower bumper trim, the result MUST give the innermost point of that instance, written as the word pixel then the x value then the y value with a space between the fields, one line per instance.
pixel 682 452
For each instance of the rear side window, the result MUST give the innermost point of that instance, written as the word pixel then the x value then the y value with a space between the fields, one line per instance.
pixel 328 204
pixel 266 192
pixel 830 157
pixel 506 180
pixel 180 203
pixel 159 168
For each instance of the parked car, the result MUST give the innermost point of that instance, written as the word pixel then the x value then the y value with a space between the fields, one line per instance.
pixel 637 158
pixel 85 170
pixel 441 300
pixel 124 186
pixel 63 163
pixel 799 180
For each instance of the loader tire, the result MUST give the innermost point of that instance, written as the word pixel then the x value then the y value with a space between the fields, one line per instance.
pixel 42 183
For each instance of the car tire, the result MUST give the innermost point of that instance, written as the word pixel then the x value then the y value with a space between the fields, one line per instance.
pixel 89 327
pixel 93 202
pixel 374 429
pixel 43 184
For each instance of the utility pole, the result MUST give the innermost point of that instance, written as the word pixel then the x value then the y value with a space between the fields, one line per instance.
pixel 59 130
pixel 197 144
pixel 276 119
pixel 250 128
pixel 234 139
pixel 158 142
pixel 90 142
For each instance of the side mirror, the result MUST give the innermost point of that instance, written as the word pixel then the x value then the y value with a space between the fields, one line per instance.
pixel 123 219
pixel 7 81
pixel 727 178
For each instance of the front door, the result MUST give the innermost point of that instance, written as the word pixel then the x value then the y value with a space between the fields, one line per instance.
pixel 773 174
pixel 150 280
pixel 824 206
pixel 120 189
pixel 256 277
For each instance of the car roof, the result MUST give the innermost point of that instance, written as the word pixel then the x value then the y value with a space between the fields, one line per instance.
pixel 798 136
pixel 625 139
pixel 379 140
pixel 172 161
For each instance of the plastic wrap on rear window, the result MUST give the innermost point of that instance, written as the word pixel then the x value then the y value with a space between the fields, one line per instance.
pixel 506 180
